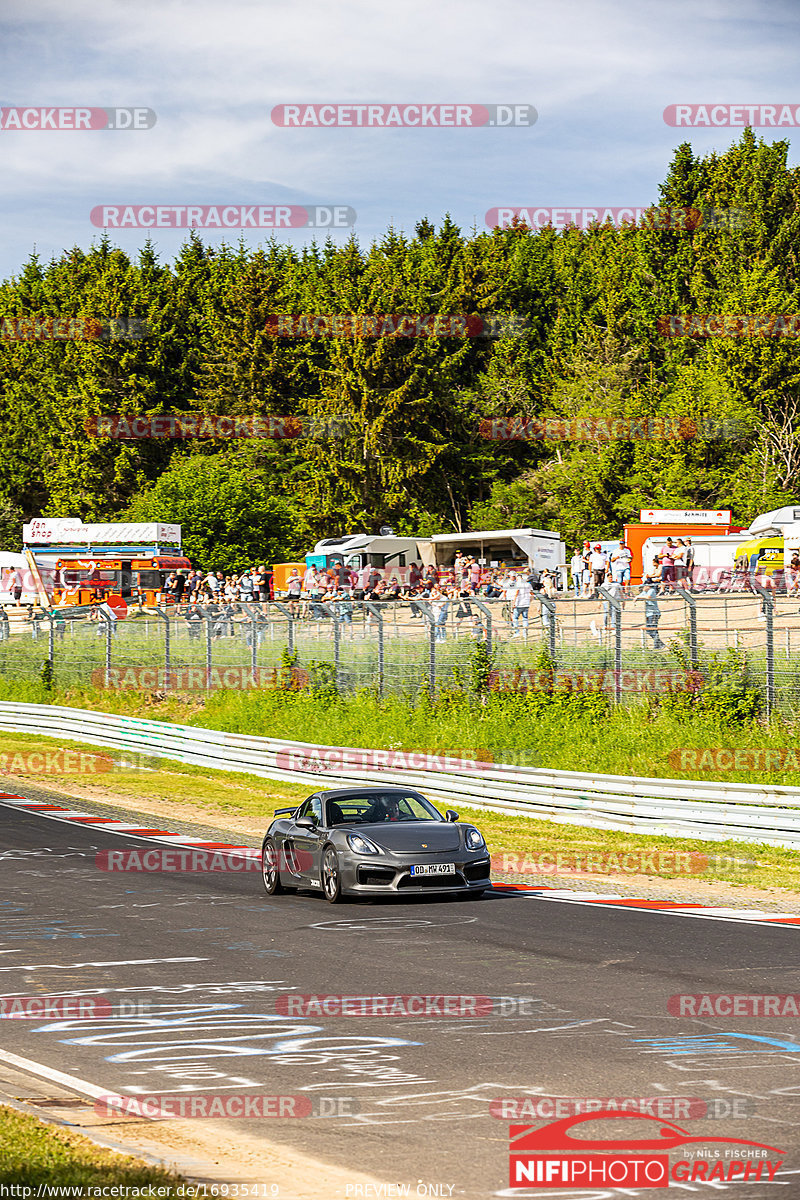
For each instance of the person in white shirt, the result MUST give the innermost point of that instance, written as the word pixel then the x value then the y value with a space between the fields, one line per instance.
pixel 598 562
pixel 576 571
pixel 521 603
pixel 621 565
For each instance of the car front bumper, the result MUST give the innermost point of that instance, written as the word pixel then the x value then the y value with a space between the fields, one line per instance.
pixel 381 876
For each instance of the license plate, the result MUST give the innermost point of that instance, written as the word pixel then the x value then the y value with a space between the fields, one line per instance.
pixel 433 869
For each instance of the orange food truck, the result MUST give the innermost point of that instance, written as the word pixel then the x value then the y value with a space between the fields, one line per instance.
pixel 120 564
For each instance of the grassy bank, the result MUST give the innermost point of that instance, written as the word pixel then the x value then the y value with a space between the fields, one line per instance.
pixel 563 732
pixel 39 1156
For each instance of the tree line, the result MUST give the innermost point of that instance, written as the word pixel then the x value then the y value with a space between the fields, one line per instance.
pixel 394 427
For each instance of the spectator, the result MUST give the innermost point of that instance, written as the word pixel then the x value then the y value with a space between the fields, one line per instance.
pixel 576 566
pixel 194 621
pixel 667 560
pixel 344 610
pixel 431 576
pixel 258 577
pixel 793 576
pixel 652 612
pixel 342 577
pixel 520 595
pixel 414 576
pixel 439 606
pixel 548 584
pixel 621 565
pixel 688 562
pixel 294 586
pixel 598 561
pixel 474 575
pixel 213 583
pixel 244 588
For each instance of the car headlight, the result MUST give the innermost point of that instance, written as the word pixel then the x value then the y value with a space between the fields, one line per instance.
pixel 473 838
pixel 361 845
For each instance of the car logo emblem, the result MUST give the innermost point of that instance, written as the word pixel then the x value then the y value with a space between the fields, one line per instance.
pixel 424 845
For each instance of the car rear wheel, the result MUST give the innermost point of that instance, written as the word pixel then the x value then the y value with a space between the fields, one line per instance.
pixel 270 874
pixel 331 878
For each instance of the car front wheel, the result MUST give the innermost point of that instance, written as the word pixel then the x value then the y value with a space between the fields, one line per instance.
pixel 331 879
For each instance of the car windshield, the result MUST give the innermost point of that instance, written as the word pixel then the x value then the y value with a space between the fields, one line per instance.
pixel 373 807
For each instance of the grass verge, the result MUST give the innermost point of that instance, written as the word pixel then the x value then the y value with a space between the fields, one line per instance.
pixel 36 1155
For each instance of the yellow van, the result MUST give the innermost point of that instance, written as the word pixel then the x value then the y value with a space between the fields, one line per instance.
pixel 762 556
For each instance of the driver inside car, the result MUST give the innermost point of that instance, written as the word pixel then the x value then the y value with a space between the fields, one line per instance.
pixel 384 808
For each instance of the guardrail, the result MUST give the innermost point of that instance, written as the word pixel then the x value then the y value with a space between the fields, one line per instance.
pixel 703 811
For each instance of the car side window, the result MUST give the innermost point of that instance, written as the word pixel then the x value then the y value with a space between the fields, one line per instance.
pixel 312 807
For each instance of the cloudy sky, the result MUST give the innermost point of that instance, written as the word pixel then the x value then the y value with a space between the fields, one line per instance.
pixel 598 73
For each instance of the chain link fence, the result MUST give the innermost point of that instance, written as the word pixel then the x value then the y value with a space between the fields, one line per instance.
pixel 749 639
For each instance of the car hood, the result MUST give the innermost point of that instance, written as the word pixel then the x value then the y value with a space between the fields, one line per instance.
pixel 405 836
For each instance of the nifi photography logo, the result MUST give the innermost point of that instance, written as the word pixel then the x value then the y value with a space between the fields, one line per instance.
pixel 655 1154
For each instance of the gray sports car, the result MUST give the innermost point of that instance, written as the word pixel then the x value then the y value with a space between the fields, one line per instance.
pixel 373 841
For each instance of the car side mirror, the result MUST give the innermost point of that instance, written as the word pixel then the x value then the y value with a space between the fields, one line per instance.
pixel 450 815
pixel 305 823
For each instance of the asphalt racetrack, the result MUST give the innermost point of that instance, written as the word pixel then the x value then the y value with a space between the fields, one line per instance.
pixel 208 965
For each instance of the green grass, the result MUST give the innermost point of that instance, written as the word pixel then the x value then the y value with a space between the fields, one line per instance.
pixel 33 1154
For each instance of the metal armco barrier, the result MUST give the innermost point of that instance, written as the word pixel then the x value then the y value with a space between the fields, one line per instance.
pixel 704 811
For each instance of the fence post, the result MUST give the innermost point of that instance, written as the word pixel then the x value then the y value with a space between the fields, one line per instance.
pixel 167 664
pixel 546 605
pixel 691 604
pixel 209 625
pixel 376 612
pixel 768 609
pixel 425 608
pixel 109 624
pixel 251 616
pixel 616 608
pixel 51 647
pixel 290 619
pixel 487 612
pixel 330 609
